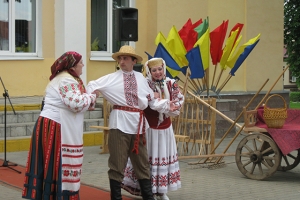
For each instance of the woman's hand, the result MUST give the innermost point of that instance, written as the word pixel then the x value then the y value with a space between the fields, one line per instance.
pixel 173 105
pixel 156 95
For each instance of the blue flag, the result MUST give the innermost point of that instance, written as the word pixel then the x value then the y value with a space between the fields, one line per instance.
pixel 242 57
pixel 149 56
pixel 161 52
pixel 195 63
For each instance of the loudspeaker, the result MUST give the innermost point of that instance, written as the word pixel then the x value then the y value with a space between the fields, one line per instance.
pixel 127 24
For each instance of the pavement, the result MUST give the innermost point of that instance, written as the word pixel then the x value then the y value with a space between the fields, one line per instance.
pixel 198 181
pixel 224 181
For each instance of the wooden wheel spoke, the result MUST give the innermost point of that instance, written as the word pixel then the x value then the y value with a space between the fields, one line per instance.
pixel 286 160
pixel 268 158
pixel 260 168
pixel 291 156
pixel 248 148
pixel 266 164
pixel 247 163
pixel 252 168
pixel 246 155
pixel 254 144
pixel 268 150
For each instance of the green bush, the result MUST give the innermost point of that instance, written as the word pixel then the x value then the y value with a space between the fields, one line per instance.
pixel 295 96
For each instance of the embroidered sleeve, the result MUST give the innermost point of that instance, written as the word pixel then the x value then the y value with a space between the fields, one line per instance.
pixel 72 97
pixel 176 95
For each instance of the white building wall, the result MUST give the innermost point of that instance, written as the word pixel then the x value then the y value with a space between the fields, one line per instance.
pixel 70 29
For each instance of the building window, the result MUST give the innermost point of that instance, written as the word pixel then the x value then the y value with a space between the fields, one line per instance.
pixel 18 27
pixel 103 37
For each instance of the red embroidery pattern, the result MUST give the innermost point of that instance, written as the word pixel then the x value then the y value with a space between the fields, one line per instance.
pixel 73 97
pixel 169 178
pixel 130 89
pixel 70 172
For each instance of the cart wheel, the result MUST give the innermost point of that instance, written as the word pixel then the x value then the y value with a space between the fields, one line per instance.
pixel 290 161
pixel 253 156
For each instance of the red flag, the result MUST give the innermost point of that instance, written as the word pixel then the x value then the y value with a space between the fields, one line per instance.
pixel 197 23
pixel 188 34
pixel 217 37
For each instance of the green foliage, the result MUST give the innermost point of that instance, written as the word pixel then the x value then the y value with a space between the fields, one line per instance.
pixel 294 105
pixel 291 36
pixel 295 96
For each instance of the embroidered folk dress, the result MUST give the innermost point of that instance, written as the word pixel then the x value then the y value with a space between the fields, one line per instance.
pixel 161 147
pixel 55 158
pixel 129 89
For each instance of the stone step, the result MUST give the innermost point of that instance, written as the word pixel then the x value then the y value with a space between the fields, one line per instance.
pixel 26 128
pixel 32 115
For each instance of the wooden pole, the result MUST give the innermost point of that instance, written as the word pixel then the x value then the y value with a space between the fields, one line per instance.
pixel 212 108
pixel 227 132
pixel 266 95
pixel 204 156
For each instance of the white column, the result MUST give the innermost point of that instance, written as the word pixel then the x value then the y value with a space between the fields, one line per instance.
pixel 70 29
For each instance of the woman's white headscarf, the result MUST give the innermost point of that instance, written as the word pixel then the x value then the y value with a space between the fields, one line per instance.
pixel 160 85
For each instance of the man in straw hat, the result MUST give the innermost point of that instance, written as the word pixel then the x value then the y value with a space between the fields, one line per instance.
pixel 129 93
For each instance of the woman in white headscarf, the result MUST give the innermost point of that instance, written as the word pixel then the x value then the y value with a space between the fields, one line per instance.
pixel 161 144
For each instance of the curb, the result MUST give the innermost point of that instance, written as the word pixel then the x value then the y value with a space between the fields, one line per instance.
pixel 23 143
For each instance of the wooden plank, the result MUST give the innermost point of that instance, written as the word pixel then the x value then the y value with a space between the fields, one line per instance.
pixel 254 129
pixel 205 156
pixel 101 127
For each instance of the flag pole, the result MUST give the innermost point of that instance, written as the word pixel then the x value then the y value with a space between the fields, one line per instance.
pixel 224 83
pixel 217 81
pixel 213 80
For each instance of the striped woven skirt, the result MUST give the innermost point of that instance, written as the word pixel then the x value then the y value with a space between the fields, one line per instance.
pixel 43 167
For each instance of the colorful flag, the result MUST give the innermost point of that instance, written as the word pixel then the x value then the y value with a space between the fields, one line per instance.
pixel 195 63
pixel 242 54
pixel 149 56
pixel 217 37
pixel 236 44
pixel 197 23
pixel 176 46
pixel 227 49
pixel 201 29
pixel 188 35
pixel 189 39
pixel 170 62
pixel 160 38
pixel 203 43
pixel 238 27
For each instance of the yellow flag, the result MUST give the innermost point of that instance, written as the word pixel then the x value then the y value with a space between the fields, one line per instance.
pixel 227 49
pixel 173 72
pixel 176 46
pixel 160 38
pixel 233 50
pixel 203 43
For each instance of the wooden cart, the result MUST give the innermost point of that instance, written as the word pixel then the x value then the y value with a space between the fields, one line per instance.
pixel 257 155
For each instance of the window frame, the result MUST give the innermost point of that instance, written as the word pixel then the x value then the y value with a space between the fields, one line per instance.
pixel 106 55
pixel 11 54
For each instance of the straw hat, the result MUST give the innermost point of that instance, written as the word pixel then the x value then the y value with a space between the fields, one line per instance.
pixel 127 51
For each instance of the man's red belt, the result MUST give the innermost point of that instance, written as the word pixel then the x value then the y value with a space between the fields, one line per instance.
pixel 142 118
